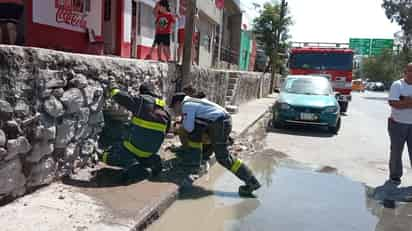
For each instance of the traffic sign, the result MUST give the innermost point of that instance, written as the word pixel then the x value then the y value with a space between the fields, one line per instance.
pixel 379 45
pixel 360 46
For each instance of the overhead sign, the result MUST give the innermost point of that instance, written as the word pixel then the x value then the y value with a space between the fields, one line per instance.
pixel 360 46
pixel 370 46
pixel 379 45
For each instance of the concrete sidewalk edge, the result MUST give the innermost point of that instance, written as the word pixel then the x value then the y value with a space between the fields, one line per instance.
pixel 156 210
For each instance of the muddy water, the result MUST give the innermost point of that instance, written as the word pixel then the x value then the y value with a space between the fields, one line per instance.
pixel 293 197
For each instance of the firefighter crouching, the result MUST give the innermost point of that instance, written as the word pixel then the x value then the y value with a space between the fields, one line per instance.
pixel 145 134
pixel 200 116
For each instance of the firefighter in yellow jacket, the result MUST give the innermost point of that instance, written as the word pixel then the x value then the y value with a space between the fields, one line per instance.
pixel 146 132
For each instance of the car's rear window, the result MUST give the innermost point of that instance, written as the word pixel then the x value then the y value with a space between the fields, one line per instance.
pixel 308 86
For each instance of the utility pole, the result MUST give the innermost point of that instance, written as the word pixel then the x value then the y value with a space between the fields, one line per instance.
pixel 187 49
pixel 278 33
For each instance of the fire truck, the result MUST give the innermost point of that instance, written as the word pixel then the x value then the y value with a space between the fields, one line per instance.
pixel 331 60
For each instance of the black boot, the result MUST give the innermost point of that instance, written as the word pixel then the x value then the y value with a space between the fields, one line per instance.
pixel 247 190
pixel 251 183
pixel 156 165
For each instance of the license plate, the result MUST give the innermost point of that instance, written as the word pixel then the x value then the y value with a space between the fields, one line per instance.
pixel 339 84
pixel 307 116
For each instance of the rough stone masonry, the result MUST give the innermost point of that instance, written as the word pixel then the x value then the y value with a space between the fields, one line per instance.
pixel 52 104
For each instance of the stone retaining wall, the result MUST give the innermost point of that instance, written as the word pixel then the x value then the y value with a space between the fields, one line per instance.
pixel 251 85
pixel 51 108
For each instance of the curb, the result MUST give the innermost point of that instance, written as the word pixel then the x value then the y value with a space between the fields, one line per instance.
pixel 156 210
pixel 246 130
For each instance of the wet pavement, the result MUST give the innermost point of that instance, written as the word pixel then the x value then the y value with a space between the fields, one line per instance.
pixel 313 182
pixel 293 197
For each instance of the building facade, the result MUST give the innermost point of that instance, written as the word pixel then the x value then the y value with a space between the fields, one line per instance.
pixel 126 28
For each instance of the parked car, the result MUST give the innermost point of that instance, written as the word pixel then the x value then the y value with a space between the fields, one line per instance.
pixel 307 100
pixel 377 86
pixel 358 85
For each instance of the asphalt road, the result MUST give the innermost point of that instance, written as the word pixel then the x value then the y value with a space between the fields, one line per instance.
pixel 300 187
pixel 361 149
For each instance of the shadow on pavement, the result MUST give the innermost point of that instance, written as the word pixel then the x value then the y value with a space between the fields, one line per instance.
pixel 310 131
pixel 197 192
pixel 390 191
pixel 375 98
pixel 172 173
pixel 107 177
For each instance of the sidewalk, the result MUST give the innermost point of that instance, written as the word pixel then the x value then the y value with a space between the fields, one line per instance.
pixel 81 207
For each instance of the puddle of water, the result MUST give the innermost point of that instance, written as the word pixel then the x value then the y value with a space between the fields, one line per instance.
pixel 293 197
pixel 298 199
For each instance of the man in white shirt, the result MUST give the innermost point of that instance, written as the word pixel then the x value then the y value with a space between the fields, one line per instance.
pixel 202 115
pixel 400 123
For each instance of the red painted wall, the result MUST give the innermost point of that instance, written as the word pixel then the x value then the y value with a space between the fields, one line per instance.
pixel 39 35
pixel 143 51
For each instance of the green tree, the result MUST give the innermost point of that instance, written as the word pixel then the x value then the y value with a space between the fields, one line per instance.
pixel 400 11
pixel 383 68
pixel 271 29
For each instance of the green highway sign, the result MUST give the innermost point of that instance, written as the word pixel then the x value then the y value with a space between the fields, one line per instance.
pixel 360 46
pixel 379 45
pixel 370 46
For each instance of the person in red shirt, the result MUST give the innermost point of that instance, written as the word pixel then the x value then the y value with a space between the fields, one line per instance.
pixel 10 14
pixel 164 28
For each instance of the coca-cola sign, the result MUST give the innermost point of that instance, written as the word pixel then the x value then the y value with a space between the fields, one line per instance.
pixel 71 17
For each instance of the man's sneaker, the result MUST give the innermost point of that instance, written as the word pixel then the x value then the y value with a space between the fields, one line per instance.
pixel 247 190
pixel 395 180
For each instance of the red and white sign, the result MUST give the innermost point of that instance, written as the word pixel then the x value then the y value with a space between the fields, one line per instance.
pixel 75 15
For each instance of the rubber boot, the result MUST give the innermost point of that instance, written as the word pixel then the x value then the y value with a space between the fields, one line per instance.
pixel 156 165
pixel 247 190
pixel 134 173
pixel 251 183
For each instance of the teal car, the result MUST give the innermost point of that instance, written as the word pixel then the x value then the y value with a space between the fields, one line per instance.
pixel 307 100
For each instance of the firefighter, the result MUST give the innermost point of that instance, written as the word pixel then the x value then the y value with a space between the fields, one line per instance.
pixel 202 115
pixel 145 134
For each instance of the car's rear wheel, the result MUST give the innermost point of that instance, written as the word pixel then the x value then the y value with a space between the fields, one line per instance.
pixel 335 129
pixel 278 124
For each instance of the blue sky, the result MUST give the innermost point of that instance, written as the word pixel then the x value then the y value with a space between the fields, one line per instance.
pixel 333 20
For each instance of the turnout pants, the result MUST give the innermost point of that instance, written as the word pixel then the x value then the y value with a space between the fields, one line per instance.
pixel 399 134
pixel 219 135
pixel 120 157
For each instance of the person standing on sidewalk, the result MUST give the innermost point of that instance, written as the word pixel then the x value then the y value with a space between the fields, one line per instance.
pixel 202 115
pixel 164 28
pixel 10 14
pixel 181 37
pixel 400 123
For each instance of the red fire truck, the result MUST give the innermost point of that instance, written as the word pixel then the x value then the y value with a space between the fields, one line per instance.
pixel 334 63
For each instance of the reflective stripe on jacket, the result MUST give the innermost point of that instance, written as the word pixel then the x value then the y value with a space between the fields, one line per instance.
pixel 149 123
